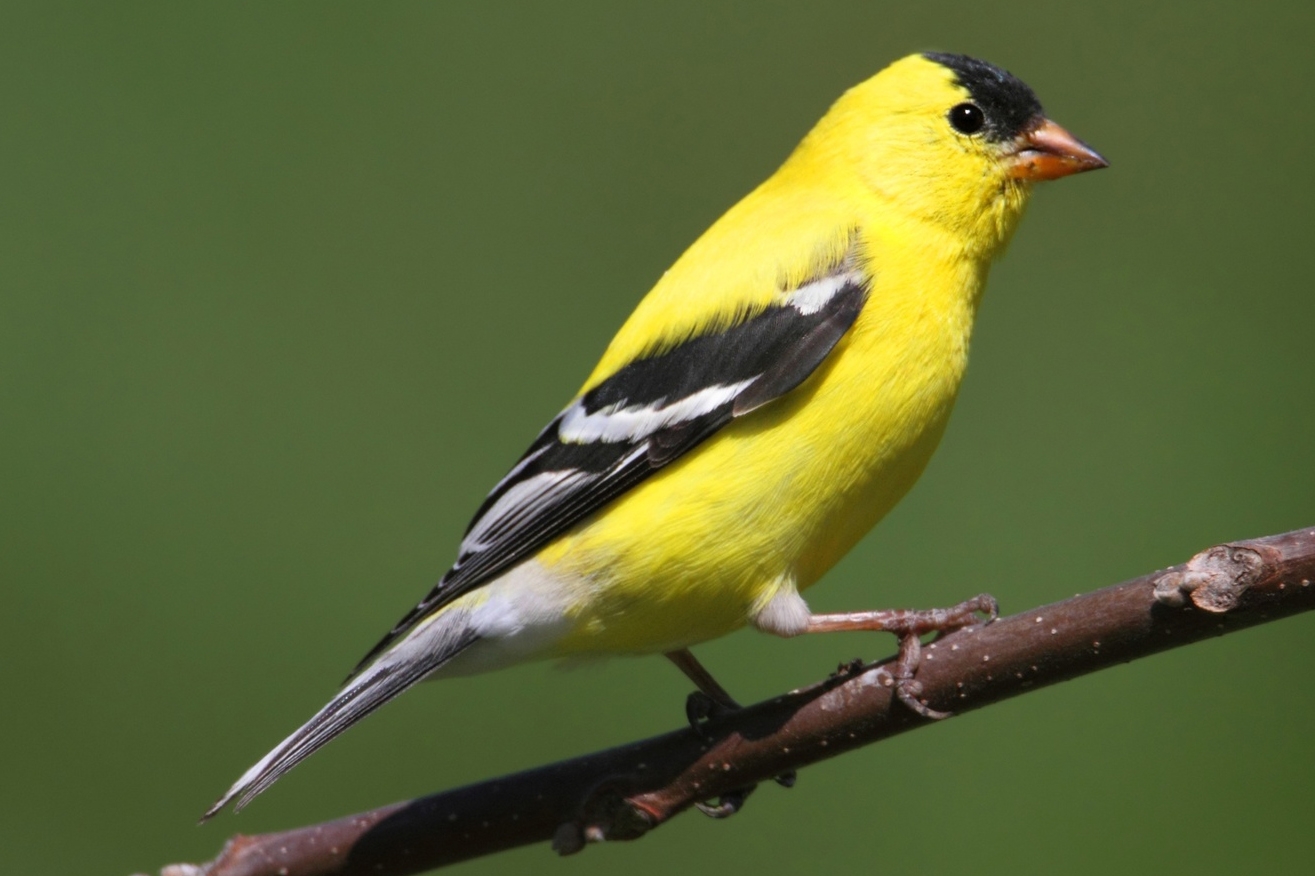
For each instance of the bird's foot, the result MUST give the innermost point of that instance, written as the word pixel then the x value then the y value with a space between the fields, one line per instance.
pixel 909 692
pixel 940 621
pixel 909 626
pixel 701 708
pixel 946 620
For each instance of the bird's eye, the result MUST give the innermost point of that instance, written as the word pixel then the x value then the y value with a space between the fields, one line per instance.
pixel 967 118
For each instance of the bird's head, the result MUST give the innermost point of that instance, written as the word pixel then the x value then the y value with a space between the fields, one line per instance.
pixel 952 140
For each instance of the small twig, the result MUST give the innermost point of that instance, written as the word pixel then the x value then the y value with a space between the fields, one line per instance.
pixel 624 792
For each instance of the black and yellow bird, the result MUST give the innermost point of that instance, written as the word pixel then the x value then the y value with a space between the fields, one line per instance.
pixel 773 396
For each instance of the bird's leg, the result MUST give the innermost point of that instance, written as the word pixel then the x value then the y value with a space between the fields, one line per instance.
pixel 909 625
pixel 709 700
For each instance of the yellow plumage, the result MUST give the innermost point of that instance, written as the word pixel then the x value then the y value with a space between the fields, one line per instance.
pixel 773 396
pixel 776 498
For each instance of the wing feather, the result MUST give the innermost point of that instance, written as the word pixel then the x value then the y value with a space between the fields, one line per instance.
pixel 648 413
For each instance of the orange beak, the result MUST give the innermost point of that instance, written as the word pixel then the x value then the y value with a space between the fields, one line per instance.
pixel 1047 151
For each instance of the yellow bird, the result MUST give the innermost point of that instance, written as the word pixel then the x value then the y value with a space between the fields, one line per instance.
pixel 772 397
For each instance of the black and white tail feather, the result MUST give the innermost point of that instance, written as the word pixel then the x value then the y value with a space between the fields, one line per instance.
pixel 650 412
pixel 387 677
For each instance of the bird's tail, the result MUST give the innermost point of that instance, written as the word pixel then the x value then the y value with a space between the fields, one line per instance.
pixel 426 649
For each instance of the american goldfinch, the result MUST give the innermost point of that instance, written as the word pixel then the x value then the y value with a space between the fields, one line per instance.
pixel 772 397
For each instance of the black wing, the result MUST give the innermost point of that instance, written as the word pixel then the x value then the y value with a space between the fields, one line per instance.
pixel 647 414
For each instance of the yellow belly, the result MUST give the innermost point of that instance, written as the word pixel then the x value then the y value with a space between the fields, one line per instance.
pixel 778 496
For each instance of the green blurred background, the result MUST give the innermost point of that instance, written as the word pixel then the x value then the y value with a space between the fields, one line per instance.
pixel 286 288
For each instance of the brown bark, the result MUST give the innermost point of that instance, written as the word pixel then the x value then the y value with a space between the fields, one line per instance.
pixel 624 792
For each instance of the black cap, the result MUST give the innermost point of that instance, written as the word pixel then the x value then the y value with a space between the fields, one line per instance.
pixel 1009 105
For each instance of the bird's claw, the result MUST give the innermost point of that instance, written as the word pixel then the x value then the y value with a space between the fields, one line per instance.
pixel 947 620
pixel 700 709
pixel 908 691
pixel 943 621
pixel 727 804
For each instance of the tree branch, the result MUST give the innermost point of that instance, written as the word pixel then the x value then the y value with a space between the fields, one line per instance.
pixel 624 792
